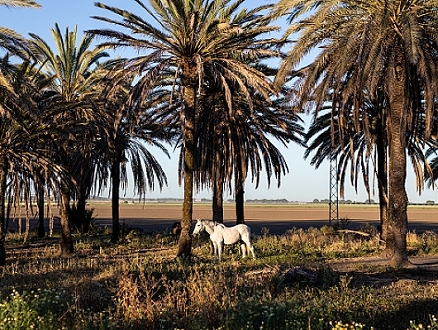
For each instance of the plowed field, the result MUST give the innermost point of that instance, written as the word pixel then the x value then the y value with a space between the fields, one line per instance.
pixel 156 217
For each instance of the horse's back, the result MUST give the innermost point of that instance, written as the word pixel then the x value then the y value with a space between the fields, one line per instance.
pixel 243 229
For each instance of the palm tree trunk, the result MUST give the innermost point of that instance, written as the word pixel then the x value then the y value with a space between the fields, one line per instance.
pixel 185 239
pixel 218 202
pixel 115 181
pixel 66 239
pixel 3 171
pixel 84 183
pixel 218 190
pixel 398 200
pixel 382 173
pixel 240 202
pixel 80 209
pixel 40 201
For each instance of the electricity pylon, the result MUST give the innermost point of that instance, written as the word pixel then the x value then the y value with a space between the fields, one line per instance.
pixel 333 192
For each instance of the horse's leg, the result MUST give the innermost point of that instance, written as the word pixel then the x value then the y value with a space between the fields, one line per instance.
pixel 243 248
pixel 215 251
pixel 212 248
pixel 220 247
pixel 251 248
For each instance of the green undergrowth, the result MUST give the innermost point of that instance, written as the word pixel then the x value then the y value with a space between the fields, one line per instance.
pixel 139 284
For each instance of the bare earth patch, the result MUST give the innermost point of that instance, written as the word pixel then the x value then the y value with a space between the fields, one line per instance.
pixel 155 217
pixel 429 262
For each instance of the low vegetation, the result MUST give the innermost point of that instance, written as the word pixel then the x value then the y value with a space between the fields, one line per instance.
pixel 304 279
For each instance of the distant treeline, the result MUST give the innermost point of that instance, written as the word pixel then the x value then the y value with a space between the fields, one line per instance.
pixel 252 201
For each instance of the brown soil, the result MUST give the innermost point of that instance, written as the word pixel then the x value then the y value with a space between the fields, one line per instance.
pixel 155 217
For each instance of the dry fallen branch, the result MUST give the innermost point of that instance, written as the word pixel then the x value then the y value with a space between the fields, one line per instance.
pixel 349 231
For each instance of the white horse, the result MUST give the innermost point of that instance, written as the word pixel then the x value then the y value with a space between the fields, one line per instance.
pixel 220 235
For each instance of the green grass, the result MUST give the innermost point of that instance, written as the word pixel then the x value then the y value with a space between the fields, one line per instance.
pixel 139 284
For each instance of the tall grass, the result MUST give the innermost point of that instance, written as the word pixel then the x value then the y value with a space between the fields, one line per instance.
pixel 140 285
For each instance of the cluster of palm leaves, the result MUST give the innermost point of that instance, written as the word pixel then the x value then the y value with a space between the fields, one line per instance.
pixel 202 80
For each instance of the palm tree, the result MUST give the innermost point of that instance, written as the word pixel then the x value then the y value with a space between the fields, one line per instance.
pixel 232 144
pixel 196 39
pixel 72 90
pixel 31 84
pixel 353 148
pixel 126 132
pixel 23 153
pixel 369 45
pixel 361 155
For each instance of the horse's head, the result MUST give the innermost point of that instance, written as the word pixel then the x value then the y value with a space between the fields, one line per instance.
pixel 199 227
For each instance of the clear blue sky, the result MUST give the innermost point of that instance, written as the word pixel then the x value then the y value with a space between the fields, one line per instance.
pixel 302 183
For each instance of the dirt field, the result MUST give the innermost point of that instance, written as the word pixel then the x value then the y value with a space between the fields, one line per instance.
pixel 156 217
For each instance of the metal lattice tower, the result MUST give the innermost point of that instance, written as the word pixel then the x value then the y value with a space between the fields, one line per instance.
pixel 333 193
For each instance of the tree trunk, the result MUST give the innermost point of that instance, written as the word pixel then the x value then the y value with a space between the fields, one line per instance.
pixel 3 172
pixel 115 183
pixel 398 200
pixel 218 198
pixel 240 202
pixel 84 182
pixel 66 239
pixel 81 205
pixel 40 201
pixel 190 81
pixel 382 173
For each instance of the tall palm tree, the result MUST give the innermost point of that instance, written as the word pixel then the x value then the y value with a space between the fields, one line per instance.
pixel 196 40
pixel 22 150
pixel 73 88
pixel 31 83
pixel 126 132
pixel 369 45
pixel 233 144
